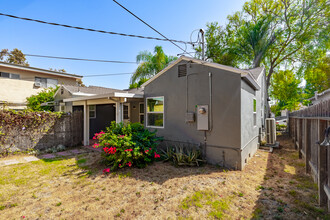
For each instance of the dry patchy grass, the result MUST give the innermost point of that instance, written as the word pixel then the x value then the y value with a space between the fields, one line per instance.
pixel 272 186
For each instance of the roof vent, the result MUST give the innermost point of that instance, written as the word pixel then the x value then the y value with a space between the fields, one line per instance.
pixel 182 70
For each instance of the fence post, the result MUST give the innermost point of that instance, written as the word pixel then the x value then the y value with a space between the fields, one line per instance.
pixel 322 167
pixel 308 144
pixel 300 122
pixel 322 176
pixel 302 135
pixel 294 130
pixel 328 168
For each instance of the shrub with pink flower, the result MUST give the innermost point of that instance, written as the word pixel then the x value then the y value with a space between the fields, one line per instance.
pixel 106 170
pixel 127 145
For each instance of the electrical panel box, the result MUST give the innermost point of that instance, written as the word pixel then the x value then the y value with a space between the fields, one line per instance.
pixel 190 117
pixel 202 117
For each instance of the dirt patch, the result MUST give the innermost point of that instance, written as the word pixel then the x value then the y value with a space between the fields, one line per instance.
pixel 272 186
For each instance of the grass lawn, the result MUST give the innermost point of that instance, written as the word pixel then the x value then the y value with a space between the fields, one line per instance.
pixel 272 186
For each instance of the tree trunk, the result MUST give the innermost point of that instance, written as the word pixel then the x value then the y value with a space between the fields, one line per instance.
pixel 257 60
pixel 270 73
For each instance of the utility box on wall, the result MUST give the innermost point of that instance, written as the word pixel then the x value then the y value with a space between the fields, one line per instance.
pixel 202 117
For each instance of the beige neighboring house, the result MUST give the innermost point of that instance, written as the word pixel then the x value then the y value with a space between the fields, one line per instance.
pixel 18 82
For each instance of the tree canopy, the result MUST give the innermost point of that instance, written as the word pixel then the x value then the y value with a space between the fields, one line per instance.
pixel 149 65
pixel 285 88
pixel 15 56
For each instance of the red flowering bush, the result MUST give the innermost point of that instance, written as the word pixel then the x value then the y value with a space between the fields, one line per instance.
pixel 127 145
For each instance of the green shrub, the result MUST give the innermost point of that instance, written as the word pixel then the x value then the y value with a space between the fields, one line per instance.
pixel 127 145
pixel 280 127
pixel 47 95
pixel 181 156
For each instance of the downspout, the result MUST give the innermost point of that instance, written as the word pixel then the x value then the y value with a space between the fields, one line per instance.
pixel 210 112
pixel 210 94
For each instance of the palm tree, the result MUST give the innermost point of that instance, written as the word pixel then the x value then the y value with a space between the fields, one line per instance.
pixel 150 64
pixel 254 40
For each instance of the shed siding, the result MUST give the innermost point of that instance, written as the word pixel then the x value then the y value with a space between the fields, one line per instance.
pixel 224 140
pixel 250 132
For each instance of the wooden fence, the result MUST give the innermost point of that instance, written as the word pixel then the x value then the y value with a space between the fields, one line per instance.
pixel 66 130
pixel 307 128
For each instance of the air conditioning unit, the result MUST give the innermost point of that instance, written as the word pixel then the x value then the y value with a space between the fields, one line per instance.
pixel 270 131
pixel 37 84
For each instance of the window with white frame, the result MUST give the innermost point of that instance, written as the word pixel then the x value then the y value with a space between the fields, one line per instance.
pixel 46 82
pixel 254 112
pixel 141 112
pixel 155 112
pixel 92 111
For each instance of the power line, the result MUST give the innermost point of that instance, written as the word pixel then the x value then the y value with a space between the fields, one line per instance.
pixel 93 30
pixel 78 59
pixel 97 75
pixel 152 27
pixel 108 74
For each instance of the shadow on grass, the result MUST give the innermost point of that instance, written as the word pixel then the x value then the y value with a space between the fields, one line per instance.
pixel 89 164
pixel 86 164
pixel 287 192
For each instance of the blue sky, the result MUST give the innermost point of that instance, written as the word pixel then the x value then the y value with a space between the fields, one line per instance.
pixel 176 19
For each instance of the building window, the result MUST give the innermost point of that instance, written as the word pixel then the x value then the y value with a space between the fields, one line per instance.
pixel 10 75
pixel 155 112
pixel 92 111
pixel 141 112
pixel 126 112
pixel 46 83
pixel 254 112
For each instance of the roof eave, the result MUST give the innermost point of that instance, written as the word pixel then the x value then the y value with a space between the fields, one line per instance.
pixel 102 96
pixel 15 66
pixel 249 79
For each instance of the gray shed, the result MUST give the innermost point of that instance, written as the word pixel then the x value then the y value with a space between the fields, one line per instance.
pixel 194 102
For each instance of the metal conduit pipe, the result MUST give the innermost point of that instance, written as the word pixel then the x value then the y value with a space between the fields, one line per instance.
pixel 210 94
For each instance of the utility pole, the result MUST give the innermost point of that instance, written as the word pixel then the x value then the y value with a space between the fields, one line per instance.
pixel 203 44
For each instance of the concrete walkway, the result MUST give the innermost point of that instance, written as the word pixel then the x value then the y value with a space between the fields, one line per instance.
pixel 68 153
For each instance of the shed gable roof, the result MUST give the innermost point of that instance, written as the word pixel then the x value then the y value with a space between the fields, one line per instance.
pixel 245 74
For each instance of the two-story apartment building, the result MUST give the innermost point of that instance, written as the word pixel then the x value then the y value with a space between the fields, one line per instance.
pixel 18 82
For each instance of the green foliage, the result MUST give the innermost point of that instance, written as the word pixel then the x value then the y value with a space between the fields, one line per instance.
pixel 181 156
pixel 150 64
pixel 138 84
pixel 47 95
pixel 285 88
pixel 219 42
pixel 280 127
pixel 276 109
pixel 127 145
pixel 317 77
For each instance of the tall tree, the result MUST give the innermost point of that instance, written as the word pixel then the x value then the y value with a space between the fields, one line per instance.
pixel 150 64
pixel 15 56
pixel 273 33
